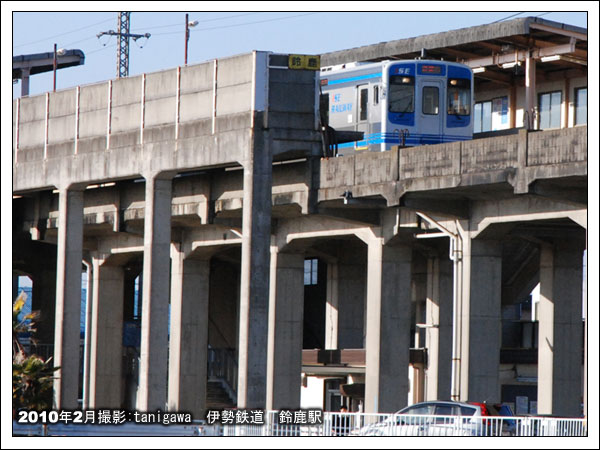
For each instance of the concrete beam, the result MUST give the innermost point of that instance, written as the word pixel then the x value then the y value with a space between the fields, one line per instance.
pixel 525 207
pixel 458 208
pixel 308 227
pixel 562 194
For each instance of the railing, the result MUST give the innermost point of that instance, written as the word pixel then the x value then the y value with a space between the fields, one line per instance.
pixel 359 424
pixel 333 424
pixel 222 365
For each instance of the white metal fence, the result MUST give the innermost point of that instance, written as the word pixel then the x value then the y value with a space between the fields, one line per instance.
pixel 359 424
pixel 334 424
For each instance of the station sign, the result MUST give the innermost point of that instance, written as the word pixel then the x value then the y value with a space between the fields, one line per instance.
pixel 306 62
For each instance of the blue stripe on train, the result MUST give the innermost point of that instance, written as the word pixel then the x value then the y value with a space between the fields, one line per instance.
pixel 356 78
pixel 392 138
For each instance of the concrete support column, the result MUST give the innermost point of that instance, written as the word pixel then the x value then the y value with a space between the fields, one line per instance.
pixel 560 329
pixel 438 337
pixel 481 321
pixel 152 390
pixel 388 327
pixel 254 278
pixel 68 298
pixel 25 74
pixel 286 312
pixel 106 344
pixel 331 307
pixel 188 344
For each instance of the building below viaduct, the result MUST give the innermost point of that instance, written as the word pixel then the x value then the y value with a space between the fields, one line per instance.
pixel 220 244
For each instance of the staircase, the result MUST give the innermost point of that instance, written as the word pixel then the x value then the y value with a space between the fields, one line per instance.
pixel 217 397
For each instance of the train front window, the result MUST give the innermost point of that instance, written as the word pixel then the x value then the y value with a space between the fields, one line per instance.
pixel 431 100
pixel 401 94
pixel 459 96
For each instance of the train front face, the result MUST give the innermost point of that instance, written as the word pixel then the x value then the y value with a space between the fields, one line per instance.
pixel 427 102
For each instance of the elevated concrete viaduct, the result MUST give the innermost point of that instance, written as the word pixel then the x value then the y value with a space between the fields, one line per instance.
pixel 206 183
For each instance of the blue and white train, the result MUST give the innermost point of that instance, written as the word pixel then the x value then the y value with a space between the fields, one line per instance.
pixel 407 103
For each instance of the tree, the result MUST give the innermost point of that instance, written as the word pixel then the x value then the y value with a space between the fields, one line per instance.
pixel 32 375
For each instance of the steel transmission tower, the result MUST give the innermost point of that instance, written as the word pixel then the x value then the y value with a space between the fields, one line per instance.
pixel 123 36
pixel 123 45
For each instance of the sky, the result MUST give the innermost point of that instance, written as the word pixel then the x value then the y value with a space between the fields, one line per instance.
pixel 220 34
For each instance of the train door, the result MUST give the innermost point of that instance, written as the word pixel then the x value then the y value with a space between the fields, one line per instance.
pixel 362 115
pixel 430 111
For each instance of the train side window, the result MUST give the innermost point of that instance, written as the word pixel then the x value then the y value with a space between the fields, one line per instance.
pixel 364 104
pixel 431 100
pixel 459 96
pixel 401 94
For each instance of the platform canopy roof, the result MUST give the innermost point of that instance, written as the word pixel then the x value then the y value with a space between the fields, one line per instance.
pixel 44 62
pixel 496 52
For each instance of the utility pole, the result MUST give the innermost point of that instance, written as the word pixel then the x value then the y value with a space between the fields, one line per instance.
pixel 54 64
pixel 187 36
pixel 188 25
pixel 123 36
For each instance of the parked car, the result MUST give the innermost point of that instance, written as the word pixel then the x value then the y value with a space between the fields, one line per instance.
pixel 440 418
pixel 499 425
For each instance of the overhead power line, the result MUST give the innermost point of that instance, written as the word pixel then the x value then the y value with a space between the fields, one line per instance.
pixel 202 21
pixel 242 24
pixel 62 34
pixel 509 17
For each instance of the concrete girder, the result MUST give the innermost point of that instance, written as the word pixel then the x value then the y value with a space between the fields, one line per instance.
pixel 520 209
pixel 457 208
pixel 578 196
pixel 320 227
